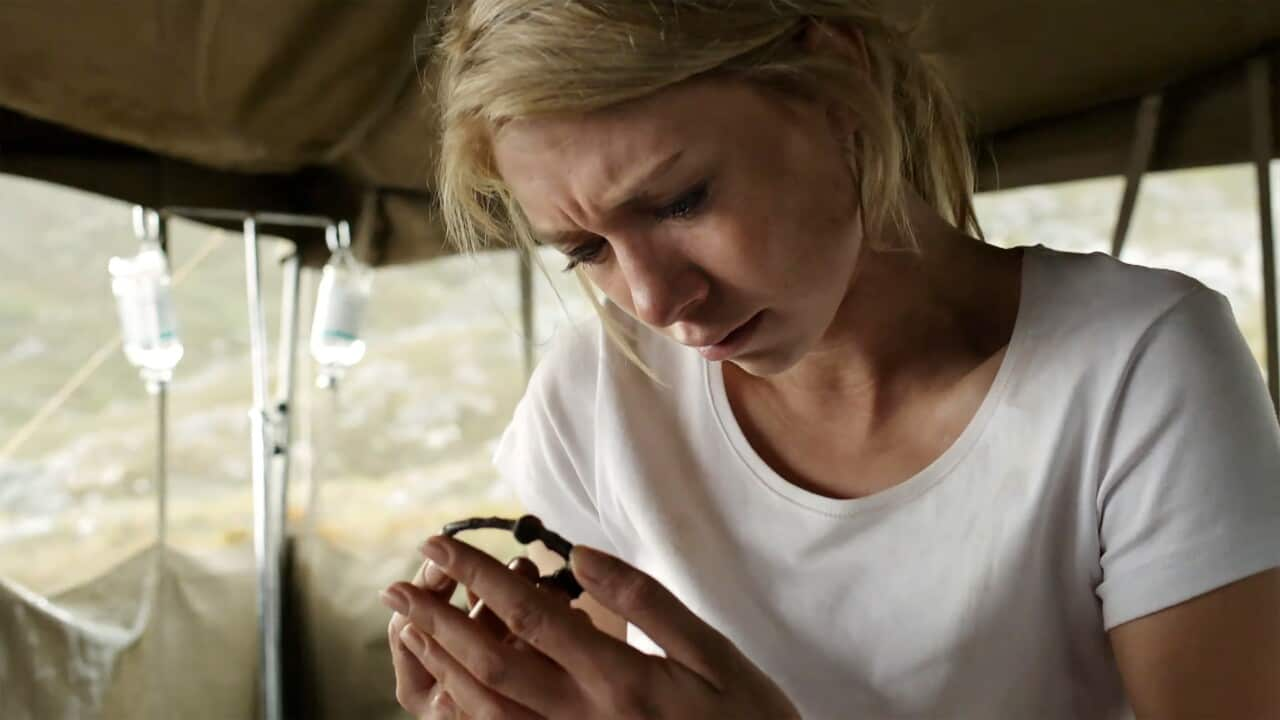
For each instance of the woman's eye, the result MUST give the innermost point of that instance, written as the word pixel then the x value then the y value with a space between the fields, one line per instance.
pixel 685 205
pixel 586 254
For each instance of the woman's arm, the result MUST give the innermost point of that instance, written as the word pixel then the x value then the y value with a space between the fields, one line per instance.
pixel 1214 656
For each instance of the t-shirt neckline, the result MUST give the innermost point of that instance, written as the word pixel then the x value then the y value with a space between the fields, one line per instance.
pixel 927 477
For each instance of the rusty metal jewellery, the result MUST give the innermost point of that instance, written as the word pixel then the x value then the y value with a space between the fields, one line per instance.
pixel 527 529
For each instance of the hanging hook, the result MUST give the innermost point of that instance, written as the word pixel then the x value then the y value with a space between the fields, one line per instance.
pixel 344 235
pixel 140 222
pixel 331 238
pixel 146 223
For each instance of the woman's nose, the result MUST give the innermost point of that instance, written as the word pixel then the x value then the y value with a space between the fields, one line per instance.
pixel 664 285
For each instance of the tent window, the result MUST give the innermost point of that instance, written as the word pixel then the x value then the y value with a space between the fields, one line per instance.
pixel 1201 222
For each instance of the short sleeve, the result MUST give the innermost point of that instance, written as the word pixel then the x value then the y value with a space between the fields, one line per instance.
pixel 546 455
pixel 1189 493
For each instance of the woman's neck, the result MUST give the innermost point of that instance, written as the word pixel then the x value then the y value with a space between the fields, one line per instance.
pixel 911 324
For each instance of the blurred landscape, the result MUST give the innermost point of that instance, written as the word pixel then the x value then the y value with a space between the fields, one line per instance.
pixel 403 445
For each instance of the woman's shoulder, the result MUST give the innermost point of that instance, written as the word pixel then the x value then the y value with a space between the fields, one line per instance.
pixel 1110 330
pixel 1111 300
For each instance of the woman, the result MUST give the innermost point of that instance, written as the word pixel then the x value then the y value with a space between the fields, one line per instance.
pixel 832 455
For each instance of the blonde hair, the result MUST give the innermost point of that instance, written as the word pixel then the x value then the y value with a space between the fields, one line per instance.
pixel 500 60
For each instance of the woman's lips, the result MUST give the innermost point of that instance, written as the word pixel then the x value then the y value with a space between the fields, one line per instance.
pixel 733 342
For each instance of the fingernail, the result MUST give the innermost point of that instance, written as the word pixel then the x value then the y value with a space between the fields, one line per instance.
pixel 395 599
pixel 443 701
pixel 433 578
pixel 436 551
pixel 413 639
pixel 587 564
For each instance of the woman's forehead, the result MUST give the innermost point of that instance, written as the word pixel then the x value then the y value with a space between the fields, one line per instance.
pixel 561 171
pixel 631 125
pixel 692 118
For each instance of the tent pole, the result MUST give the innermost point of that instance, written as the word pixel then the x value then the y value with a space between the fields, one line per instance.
pixel 1263 150
pixel 1144 144
pixel 306 411
pixel 159 705
pixel 160 389
pixel 162 407
pixel 526 310
pixel 269 433
pixel 286 364
pixel 265 540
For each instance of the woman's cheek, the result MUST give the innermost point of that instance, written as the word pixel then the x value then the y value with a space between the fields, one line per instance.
pixel 610 281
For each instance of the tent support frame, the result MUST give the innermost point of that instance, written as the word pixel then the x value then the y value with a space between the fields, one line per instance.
pixel 1144 144
pixel 1262 128
pixel 1261 124
pixel 270 427
pixel 526 261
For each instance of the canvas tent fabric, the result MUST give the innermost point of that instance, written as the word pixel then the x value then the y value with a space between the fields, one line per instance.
pixel 319 107
pixel 171 634
pixel 162 634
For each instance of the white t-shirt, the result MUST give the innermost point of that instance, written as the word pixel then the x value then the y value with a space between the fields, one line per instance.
pixel 1126 459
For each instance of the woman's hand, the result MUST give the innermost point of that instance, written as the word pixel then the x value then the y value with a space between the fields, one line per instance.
pixel 569 668
pixel 416 689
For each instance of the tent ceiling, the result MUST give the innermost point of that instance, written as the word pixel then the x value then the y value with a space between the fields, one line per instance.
pixel 316 106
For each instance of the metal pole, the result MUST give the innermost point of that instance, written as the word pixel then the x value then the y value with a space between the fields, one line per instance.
pixel 270 429
pixel 286 361
pixel 265 540
pixel 162 474
pixel 153 222
pixel 159 705
pixel 162 406
pixel 1144 144
pixel 305 405
pixel 1263 150
pixel 526 309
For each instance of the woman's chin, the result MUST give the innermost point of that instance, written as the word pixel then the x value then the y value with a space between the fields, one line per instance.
pixel 763 362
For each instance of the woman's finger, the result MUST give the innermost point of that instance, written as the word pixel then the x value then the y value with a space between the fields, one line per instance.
pixel 469 694
pixel 525 677
pixel 542 620
pixel 442 706
pixel 522 566
pixel 415 688
pixel 431 577
pixel 413 682
pixel 636 597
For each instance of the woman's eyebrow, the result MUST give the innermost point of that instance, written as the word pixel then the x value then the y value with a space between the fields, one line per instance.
pixel 632 191
pixel 633 196
pixel 560 239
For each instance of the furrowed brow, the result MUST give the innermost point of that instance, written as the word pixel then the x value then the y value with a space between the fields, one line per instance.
pixel 561 239
pixel 633 196
pixel 633 193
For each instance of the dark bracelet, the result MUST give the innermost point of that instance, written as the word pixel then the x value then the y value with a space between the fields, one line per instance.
pixel 527 529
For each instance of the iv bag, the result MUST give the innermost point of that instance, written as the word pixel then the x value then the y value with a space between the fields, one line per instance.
pixel 345 284
pixel 144 301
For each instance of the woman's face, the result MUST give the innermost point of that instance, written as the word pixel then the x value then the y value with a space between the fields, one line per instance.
pixel 719 214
